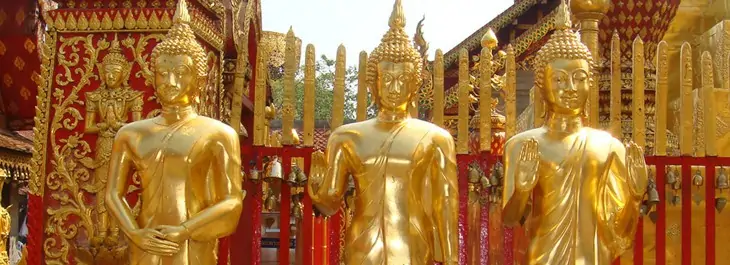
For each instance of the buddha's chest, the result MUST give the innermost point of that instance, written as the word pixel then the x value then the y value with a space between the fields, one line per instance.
pixel 396 155
pixel 571 163
pixel 179 145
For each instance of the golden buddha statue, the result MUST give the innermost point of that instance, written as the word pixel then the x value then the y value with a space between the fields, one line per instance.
pixel 406 208
pixel 189 165
pixel 586 186
pixel 107 110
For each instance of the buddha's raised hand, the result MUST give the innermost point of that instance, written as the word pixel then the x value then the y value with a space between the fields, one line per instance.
pixel 317 171
pixel 527 165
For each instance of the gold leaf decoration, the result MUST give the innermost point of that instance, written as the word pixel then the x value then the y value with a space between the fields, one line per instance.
pixel 94 24
pixel 166 20
pixel 118 21
pixel 70 22
pixel 58 23
pixel 83 23
pixel 142 21
pixel 130 22
pixel 154 20
pixel 106 22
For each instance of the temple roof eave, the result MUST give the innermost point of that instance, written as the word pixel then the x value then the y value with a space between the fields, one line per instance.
pixel 473 42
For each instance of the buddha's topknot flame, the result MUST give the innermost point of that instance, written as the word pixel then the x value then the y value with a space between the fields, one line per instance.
pixel 395 47
pixel 564 43
pixel 180 40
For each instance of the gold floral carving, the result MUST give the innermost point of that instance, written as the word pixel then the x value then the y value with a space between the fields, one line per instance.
pixel 142 59
pixel 70 226
pixel 40 130
pixel 69 155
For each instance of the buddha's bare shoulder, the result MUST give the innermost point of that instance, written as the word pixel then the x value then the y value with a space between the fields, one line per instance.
pixel 602 138
pixel 214 126
pixel 136 127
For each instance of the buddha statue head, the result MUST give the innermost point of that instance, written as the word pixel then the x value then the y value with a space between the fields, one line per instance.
pixel 564 68
pixel 115 68
pixel 394 67
pixel 179 63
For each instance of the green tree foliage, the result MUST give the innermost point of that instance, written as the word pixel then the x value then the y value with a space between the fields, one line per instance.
pixel 324 89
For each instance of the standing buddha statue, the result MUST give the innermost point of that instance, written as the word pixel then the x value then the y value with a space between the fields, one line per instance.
pixel 586 186
pixel 189 165
pixel 404 169
pixel 107 110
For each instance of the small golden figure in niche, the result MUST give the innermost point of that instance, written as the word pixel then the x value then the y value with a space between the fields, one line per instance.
pixel 189 165
pixel 107 110
pixel 406 209
pixel 586 186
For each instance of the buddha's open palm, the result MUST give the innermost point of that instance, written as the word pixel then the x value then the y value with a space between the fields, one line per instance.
pixel 527 165
pixel 317 171
pixel 636 165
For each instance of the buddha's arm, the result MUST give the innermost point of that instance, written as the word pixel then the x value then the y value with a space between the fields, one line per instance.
pixel 120 165
pixel 619 199
pixel 328 191
pixel 221 218
pixel 514 201
pixel 446 197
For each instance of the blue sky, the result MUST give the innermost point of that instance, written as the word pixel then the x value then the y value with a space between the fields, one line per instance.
pixel 359 24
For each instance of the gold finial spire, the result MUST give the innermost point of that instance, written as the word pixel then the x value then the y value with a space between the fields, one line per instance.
pixel 181 13
pixel 397 17
pixel 562 18
pixel 489 39
pixel 115 45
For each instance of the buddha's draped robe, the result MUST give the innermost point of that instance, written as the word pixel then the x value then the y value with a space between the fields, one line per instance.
pixel 583 211
pixel 178 182
pixel 396 221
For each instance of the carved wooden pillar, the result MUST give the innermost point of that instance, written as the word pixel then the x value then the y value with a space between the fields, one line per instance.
pixel 66 215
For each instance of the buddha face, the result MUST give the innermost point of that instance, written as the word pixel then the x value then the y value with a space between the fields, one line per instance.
pixel 175 79
pixel 113 75
pixel 566 85
pixel 395 84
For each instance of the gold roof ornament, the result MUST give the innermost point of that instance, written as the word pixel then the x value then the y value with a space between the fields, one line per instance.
pixel 489 39
pixel 395 47
pixel 564 43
